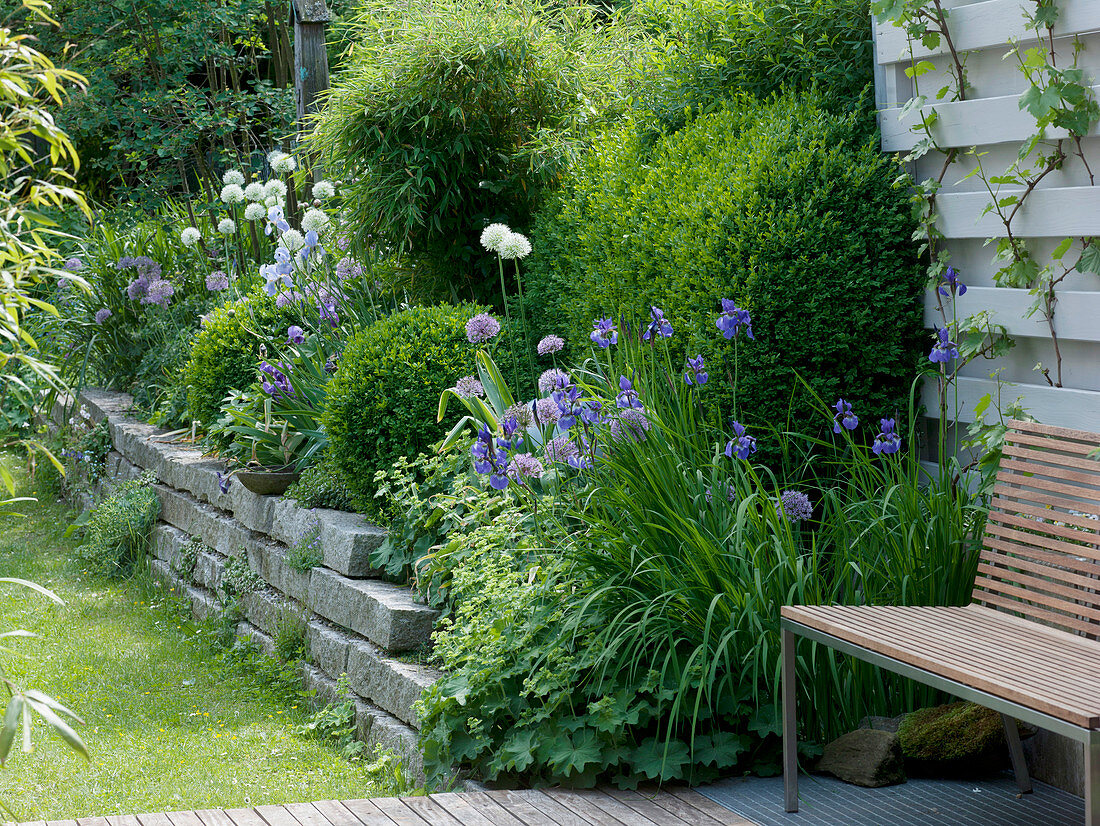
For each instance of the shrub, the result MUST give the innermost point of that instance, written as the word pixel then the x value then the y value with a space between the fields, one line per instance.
pixel 784 207
pixel 450 115
pixel 226 350
pixel 385 395
pixel 709 51
pixel 120 528
pixel 321 486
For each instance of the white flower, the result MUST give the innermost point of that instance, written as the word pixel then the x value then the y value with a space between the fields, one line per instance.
pixel 271 201
pixel 493 235
pixel 232 194
pixel 293 240
pixel 255 191
pixel 514 245
pixel 281 163
pixel 323 190
pixel 190 236
pixel 315 220
pixel 275 187
pixel 255 212
pixel 227 226
pixel 233 177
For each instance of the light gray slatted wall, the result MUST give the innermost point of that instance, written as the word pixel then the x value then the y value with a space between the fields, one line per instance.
pixel 1063 205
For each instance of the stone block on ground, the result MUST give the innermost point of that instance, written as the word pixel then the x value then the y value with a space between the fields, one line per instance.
pixel 328 648
pixel 347 542
pixel 378 728
pixel 392 685
pixel 386 614
pixel 320 688
pixel 249 632
pixel 266 609
pixel 956 739
pixel 208 569
pixel 865 757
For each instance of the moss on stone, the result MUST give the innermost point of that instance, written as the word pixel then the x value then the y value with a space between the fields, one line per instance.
pixel 953 732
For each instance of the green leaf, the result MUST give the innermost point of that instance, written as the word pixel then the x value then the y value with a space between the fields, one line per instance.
pixel 1090 258
pixel 570 755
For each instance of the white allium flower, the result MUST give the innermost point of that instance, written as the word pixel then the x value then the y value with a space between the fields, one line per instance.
pixel 232 194
pixel 227 226
pixel 255 191
pixel 514 245
pixel 233 177
pixel 281 163
pixel 315 220
pixel 493 235
pixel 190 236
pixel 275 187
pixel 323 190
pixel 293 240
pixel 255 212
pixel 270 201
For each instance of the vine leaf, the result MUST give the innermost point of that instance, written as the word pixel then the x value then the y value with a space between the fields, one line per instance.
pixel 1090 258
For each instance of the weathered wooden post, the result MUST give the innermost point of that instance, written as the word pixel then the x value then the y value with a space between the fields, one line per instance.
pixel 310 18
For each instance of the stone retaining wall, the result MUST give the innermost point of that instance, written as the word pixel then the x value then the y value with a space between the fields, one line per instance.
pixel 356 624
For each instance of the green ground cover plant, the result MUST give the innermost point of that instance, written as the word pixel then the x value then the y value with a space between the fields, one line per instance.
pixel 169 724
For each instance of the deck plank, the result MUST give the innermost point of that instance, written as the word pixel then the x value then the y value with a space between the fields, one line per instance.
pixel 576 802
pixel 647 807
pixel 367 812
pixel 524 809
pixel 685 811
pixel 454 805
pixel 398 812
pixel 709 807
pixel 431 812
pixel 275 815
pixel 214 817
pixel 123 820
pixel 244 817
pixel 92 821
pixel 307 814
pixel 488 807
pixel 155 819
pixel 616 808
pixel 547 804
pixel 182 818
pixel 58 822
pixel 338 814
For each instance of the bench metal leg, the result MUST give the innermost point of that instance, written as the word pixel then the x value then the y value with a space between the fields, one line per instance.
pixel 1092 781
pixel 790 724
pixel 1016 754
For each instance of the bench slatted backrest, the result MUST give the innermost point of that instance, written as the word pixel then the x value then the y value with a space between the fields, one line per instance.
pixel 1040 555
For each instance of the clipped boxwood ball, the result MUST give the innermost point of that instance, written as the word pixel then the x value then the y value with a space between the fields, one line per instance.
pixel 788 208
pixel 227 349
pixel 383 400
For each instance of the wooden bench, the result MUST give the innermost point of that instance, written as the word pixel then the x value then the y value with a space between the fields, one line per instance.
pixel 1027 645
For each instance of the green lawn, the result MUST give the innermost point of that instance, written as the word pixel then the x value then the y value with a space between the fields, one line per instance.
pixel 168 726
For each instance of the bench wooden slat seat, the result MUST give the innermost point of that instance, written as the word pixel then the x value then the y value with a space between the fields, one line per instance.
pixel 1028 645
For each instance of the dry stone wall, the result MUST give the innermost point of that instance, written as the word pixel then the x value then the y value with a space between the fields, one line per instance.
pixel 356 624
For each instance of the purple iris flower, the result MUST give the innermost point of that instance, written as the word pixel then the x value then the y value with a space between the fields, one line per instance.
pixel 295 334
pixel 488 461
pixel 590 412
pixel 283 264
pixel 312 242
pixel 732 319
pixel 223 481
pixel 844 416
pixel 741 445
pixel 567 400
pixel 278 385
pixel 951 282
pixel 604 333
pixel 945 349
pixel 628 396
pixel 512 440
pixel 276 220
pixel 698 371
pixel 887 441
pixel 658 325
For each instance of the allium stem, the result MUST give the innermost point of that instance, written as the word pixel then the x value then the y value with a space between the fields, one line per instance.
pixel 508 320
pixel 523 323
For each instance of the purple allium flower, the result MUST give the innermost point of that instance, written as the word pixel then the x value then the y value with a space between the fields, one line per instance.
pixel 469 387
pixel 550 344
pixel 137 288
pixel 525 466
pixel 561 449
pixel 295 334
pixel 631 423
pixel 732 319
pixel 74 264
pixel 697 374
pixel 554 379
pixel 217 281
pixel 658 325
pixel 794 506
pixel 887 441
pixel 741 445
pixel 945 349
pixel 288 297
pixel 951 282
pixel 547 411
pixel 481 328
pixel 160 292
pixel 844 416
pixel 102 314
pixel 522 413
pixel 347 267
pixel 604 333
pixel 628 396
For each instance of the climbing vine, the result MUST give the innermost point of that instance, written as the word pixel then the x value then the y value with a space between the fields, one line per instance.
pixel 1060 101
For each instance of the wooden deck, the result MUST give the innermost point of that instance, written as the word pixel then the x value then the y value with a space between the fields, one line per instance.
pixel 549 807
